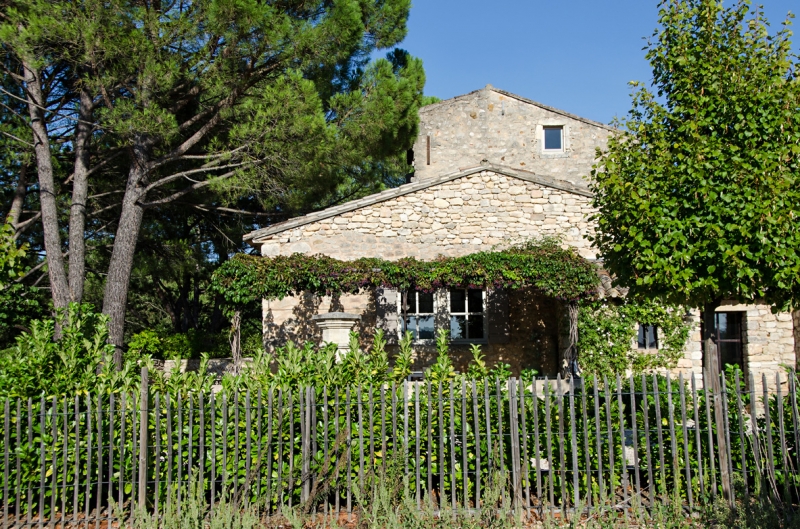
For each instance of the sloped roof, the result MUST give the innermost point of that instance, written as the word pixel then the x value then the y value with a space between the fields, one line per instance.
pixel 524 100
pixel 541 179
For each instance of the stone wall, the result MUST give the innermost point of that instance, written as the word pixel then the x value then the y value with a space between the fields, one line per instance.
pixel 504 129
pixel 460 217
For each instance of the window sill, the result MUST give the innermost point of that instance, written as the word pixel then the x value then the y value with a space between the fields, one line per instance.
pixel 468 342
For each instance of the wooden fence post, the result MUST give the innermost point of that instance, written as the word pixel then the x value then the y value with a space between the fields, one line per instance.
pixel 306 443
pixel 143 416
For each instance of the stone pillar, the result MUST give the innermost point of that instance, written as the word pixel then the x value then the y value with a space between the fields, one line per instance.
pixel 336 327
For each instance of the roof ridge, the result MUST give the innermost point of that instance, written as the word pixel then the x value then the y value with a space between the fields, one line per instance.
pixel 524 100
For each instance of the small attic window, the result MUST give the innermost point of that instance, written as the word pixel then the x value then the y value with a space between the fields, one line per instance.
pixel 553 138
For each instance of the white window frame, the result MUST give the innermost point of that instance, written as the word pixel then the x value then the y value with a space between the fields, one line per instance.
pixel 484 313
pixel 563 139
pixel 401 320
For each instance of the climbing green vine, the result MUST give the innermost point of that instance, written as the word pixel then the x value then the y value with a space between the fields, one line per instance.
pixel 607 331
pixel 542 265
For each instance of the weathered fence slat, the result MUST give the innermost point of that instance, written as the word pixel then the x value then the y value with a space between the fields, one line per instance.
pixel 784 463
pixel 349 426
pixel 624 463
pixel 525 457
pixel 513 442
pixel 768 423
pixel 442 492
pixel 727 449
pixel 754 426
pixel 453 479
pixel 464 468
pixel 611 460
pixel 537 444
pixel 740 421
pixel 673 441
pixel 359 398
pixel 598 440
pixel 635 428
pixel 549 442
pixel 270 397
pixel 711 459
pixel 477 436
pixel 586 455
pixel 698 440
pixel 290 445
pixel 572 420
pixel 660 436
pixel 685 430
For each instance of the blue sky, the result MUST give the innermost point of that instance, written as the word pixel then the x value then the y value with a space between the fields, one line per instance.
pixel 577 55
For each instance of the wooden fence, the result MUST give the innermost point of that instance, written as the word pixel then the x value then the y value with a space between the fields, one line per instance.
pixel 544 445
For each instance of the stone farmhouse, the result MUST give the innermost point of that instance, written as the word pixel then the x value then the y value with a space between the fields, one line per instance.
pixel 490 168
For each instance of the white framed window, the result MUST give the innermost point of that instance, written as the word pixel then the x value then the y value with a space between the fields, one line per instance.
pixel 468 316
pixel 417 314
pixel 648 337
pixel 553 138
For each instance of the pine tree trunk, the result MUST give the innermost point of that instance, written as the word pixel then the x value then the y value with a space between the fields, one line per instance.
pixel 17 203
pixel 59 287
pixel 80 192
pixel 119 269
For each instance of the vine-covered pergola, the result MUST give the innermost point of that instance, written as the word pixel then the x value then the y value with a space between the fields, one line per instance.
pixel 544 266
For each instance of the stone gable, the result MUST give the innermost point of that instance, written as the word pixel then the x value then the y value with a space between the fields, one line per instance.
pixel 504 129
pixel 474 213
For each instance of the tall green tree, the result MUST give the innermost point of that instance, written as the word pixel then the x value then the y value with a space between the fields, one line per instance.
pixel 239 98
pixel 699 194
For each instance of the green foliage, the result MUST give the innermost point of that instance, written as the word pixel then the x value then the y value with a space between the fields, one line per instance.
pixel 607 331
pixel 39 366
pixel 18 303
pixel 176 346
pixel 477 369
pixel 442 371
pixel 699 195
pixel 404 359
pixel 543 265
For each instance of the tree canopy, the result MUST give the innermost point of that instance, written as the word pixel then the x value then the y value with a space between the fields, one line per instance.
pixel 699 194
pixel 126 107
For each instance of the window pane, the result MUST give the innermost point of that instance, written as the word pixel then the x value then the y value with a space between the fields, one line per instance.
pixel 729 325
pixel 475 327
pixel 410 301
pixel 458 328
pixel 475 300
pixel 426 328
pixel 730 353
pixel 642 339
pixel 552 138
pixel 425 303
pixel 411 325
pixel 652 337
pixel 458 301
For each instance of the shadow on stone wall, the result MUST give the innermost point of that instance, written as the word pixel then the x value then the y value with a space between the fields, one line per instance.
pixel 532 340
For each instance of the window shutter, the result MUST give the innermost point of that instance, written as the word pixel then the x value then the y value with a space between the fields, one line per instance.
pixel 386 304
pixel 499 327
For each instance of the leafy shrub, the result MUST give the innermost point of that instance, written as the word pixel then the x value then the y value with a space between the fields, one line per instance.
pixel 81 360
pixel 178 346
pixel 18 302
